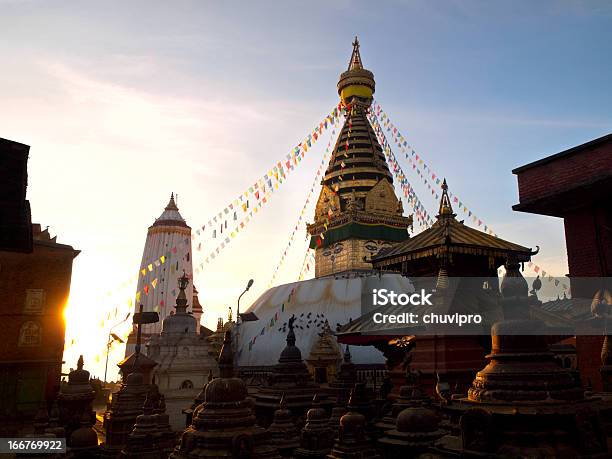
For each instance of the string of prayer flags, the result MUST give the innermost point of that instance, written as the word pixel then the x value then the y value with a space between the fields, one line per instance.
pixel 263 188
pixel 419 210
pixel 302 211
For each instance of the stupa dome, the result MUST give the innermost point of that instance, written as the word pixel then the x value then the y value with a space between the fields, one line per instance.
pixel 179 324
pixel 417 419
pixel 225 390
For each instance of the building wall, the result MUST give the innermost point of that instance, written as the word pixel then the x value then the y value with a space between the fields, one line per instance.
pixel 554 177
pixel 34 289
pixel 589 242
pixel 15 217
pixel 576 185
pixel 182 371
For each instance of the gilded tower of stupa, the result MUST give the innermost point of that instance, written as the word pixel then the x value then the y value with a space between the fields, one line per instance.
pixel 357 212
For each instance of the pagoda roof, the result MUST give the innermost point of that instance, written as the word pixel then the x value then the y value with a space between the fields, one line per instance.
pixel 448 235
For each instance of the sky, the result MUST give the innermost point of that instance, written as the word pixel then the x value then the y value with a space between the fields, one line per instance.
pixel 123 103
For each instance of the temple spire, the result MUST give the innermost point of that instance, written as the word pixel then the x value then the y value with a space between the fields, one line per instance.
pixel 171 204
pixel 355 62
pixel 181 299
pixel 446 209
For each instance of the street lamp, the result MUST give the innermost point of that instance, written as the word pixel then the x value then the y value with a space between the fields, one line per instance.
pixel 109 342
pixel 249 285
pixel 240 318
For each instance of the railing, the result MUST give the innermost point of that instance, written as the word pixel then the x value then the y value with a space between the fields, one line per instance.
pixel 371 374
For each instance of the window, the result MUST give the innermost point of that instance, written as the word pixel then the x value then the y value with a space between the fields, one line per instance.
pixel 187 384
pixel 35 301
pixel 29 334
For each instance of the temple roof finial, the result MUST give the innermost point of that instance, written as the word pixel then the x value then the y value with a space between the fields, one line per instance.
pixel 446 209
pixel 355 62
pixel 172 203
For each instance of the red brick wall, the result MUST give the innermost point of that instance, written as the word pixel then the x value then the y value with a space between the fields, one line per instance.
pixel 564 173
pixel 589 243
pixel 48 267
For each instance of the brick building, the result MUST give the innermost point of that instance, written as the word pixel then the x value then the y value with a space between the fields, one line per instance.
pixel 15 218
pixel 35 274
pixel 576 185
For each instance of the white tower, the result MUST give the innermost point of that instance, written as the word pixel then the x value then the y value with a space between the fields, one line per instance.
pixel 168 237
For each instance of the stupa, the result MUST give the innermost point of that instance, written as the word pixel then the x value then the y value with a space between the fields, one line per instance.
pixel 141 442
pixel 224 425
pixel 283 432
pixel 184 358
pixel 164 437
pixel 199 399
pixel 414 434
pixel 523 404
pixel 84 441
pixel 119 419
pixel 289 379
pixel 345 380
pixel 357 214
pixel 352 442
pixel 411 395
pixel 317 437
pixel 75 400
pixel 166 254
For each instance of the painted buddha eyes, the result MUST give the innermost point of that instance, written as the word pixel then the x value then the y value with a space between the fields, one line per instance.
pixel 334 250
pixel 371 246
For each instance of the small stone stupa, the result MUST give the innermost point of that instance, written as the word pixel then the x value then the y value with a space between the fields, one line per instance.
pixel 224 425
pixel 415 432
pixel 317 436
pixel 410 395
pixel 164 437
pixel 75 399
pixel 119 419
pixel 290 378
pixel 188 412
pixel 84 441
pixel 284 433
pixel 345 380
pixel 523 404
pixel 141 442
pixel 352 442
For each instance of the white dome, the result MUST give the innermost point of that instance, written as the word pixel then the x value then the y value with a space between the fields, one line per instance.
pixel 179 324
pixel 336 299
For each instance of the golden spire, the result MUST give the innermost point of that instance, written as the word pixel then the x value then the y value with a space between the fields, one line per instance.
pixel 355 62
pixel 356 83
pixel 446 209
